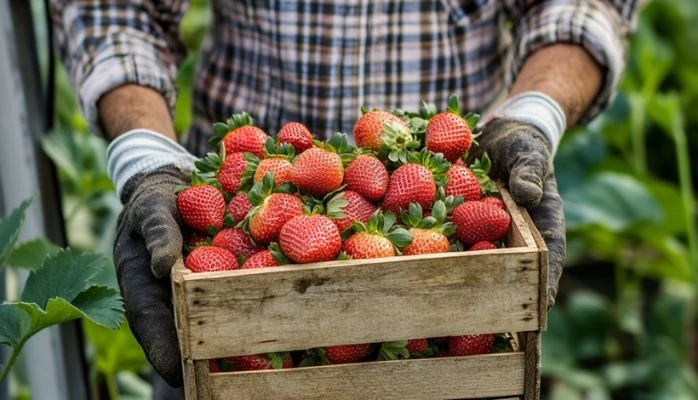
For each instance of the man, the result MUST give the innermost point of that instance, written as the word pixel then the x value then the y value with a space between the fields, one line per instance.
pixel 553 63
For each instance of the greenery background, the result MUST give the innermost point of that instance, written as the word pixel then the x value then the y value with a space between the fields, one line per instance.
pixel 625 323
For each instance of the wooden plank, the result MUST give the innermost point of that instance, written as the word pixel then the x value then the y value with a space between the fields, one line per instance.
pixel 301 306
pixel 532 365
pixel 190 386
pixel 492 375
pixel 203 383
pixel 543 295
pixel 519 234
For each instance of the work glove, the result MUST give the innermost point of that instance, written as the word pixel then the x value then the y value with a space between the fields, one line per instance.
pixel 147 168
pixel 520 139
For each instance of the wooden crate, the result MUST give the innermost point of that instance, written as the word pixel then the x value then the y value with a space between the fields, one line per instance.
pixel 297 307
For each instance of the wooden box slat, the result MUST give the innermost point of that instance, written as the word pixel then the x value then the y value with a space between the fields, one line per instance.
pixel 453 377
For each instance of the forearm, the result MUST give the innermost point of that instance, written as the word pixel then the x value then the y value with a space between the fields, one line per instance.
pixel 567 73
pixel 132 106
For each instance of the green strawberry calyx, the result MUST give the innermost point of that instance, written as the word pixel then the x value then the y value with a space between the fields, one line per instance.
pixel 221 129
pixel 436 221
pixel 383 224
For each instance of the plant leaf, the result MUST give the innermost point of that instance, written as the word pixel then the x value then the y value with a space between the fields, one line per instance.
pixel 14 324
pixel 32 253
pixel 10 228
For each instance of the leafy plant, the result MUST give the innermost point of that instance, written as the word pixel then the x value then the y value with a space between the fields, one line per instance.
pixel 61 288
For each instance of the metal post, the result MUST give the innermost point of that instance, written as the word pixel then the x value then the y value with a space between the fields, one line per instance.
pixel 55 356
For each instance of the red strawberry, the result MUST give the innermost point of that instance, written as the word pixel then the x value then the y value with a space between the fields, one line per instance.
pixel 429 234
pixel 310 238
pixel 372 125
pixel 239 206
pixel 261 259
pixel 257 362
pixel 477 221
pixel 275 210
pixel 482 246
pixel 213 365
pixel 378 238
pixel 236 241
pixel 462 182
pixel 297 135
pixel 367 176
pixel 347 207
pixel 417 346
pixel 201 207
pixel 317 172
pixel 409 183
pixel 362 245
pixel 448 133
pixel 280 167
pixel 196 239
pixel 345 354
pixel 467 345
pixel 210 258
pixel 246 138
pixel 494 201
pixel 231 171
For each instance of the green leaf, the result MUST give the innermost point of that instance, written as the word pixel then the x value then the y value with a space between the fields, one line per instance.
pixel 65 275
pixel 14 324
pixel 453 104
pixel 400 237
pixel 10 228
pixel 612 200
pixel 32 253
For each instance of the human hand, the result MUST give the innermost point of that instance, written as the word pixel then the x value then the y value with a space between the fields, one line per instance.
pixel 147 169
pixel 521 157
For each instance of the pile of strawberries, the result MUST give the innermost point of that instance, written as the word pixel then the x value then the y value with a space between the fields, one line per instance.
pixel 404 188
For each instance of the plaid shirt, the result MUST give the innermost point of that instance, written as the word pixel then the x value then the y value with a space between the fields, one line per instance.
pixel 318 62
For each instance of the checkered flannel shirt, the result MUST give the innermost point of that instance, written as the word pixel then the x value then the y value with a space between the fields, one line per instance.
pixel 318 62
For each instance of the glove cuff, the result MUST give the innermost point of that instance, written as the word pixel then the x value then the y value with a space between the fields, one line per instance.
pixel 141 151
pixel 536 109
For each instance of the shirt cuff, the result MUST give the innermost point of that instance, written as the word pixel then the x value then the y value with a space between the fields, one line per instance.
pixel 592 24
pixel 122 61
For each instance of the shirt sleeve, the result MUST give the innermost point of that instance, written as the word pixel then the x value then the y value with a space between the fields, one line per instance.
pixel 105 44
pixel 600 26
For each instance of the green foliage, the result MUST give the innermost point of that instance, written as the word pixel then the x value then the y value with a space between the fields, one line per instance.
pixel 60 289
pixel 627 181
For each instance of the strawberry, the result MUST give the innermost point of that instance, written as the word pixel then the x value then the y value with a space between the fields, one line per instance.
pixel 496 201
pixel 347 353
pixel 467 345
pixel 196 239
pixel 429 234
pixel 477 221
pixel 297 135
pixel 239 134
pixel 231 171
pixel 347 207
pixel 236 241
pixel 371 126
pixel 258 362
pixel 210 258
pixel 213 365
pixel 270 257
pixel 484 245
pixel 449 133
pixel 201 206
pixel 280 167
pixel 462 182
pixel 415 182
pixel 417 346
pixel 270 212
pixel 367 175
pixel 317 172
pixel 378 238
pixel 239 206
pixel 310 238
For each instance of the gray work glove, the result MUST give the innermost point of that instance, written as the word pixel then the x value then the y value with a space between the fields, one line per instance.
pixel 521 158
pixel 148 242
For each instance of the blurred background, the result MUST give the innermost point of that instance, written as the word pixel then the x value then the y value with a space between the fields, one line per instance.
pixel 625 325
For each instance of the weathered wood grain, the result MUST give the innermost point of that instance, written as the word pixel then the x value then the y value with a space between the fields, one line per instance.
pixel 297 307
pixel 442 378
